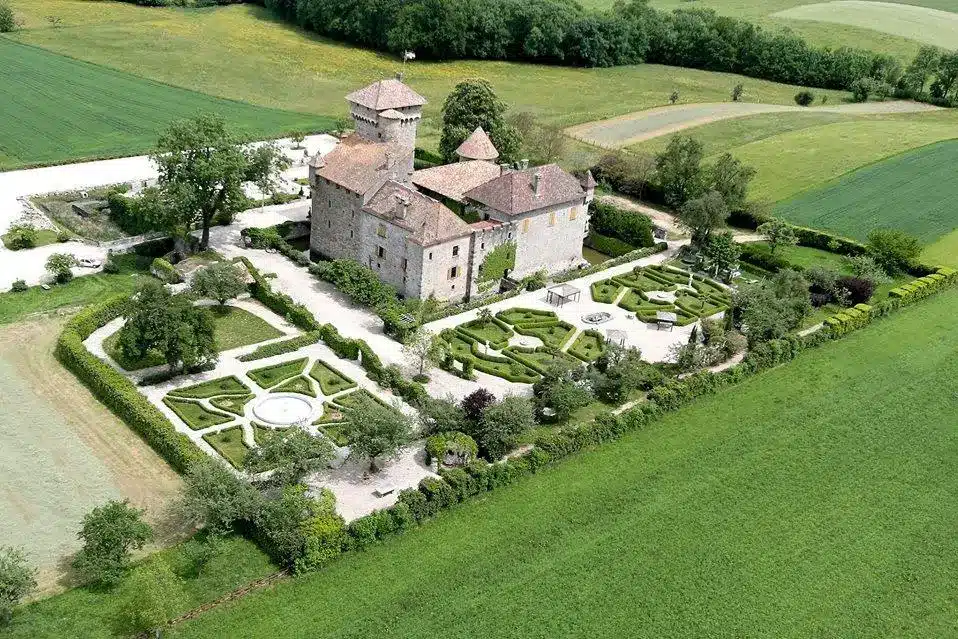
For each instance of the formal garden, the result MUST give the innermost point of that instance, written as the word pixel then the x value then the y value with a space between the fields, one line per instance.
pixel 650 290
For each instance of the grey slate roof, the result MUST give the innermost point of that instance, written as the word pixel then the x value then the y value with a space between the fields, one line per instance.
pixel 386 94
pixel 514 194
pixel 477 146
pixel 452 180
pixel 428 221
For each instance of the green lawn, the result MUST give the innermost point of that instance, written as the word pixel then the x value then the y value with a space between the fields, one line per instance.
pixel 235 327
pixel 95 614
pixel 44 237
pixel 195 415
pixel 269 376
pixel 807 257
pixel 944 251
pixel 329 379
pixel 298 384
pixel 64 109
pixel 81 291
pixel 914 192
pixel 815 499
pixel 231 403
pixel 229 444
pixel 304 73
pixel 220 386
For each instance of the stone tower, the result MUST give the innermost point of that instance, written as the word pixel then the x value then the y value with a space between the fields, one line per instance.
pixel 387 111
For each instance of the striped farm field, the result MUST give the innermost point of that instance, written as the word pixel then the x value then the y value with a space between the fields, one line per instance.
pixel 915 192
pixel 55 108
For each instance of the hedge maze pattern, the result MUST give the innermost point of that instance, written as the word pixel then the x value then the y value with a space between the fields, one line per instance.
pixel 703 298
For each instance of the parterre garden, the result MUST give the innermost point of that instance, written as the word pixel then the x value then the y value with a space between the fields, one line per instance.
pixel 490 344
pixel 218 409
pixel 634 292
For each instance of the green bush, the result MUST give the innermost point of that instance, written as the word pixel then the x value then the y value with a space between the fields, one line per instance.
pixel 296 314
pixel 282 347
pixel 165 272
pixel 632 228
pixel 18 286
pixel 116 391
pixel 610 246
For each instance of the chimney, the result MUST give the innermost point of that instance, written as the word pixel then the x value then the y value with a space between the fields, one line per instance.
pixel 402 207
pixel 536 177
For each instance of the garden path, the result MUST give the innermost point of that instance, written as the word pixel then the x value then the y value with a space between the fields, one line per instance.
pixel 16 185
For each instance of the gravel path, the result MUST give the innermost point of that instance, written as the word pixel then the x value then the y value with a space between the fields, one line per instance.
pixel 651 123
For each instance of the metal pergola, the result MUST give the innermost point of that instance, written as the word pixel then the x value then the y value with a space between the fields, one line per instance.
pixel 560 295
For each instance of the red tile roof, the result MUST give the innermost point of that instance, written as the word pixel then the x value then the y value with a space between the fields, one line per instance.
pixel 514 193
pixel 386 94
pixel 452 180
pixel 428 221
pixel 477 146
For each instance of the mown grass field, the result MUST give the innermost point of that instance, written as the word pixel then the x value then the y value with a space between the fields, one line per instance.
pixel 915 192
pixel 93 614
pixel 878 35
pixel 55 109
pixel 240 52
pixel 928 26
pixel 816 499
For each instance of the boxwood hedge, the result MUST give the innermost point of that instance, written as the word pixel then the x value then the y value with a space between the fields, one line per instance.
pixel 116 391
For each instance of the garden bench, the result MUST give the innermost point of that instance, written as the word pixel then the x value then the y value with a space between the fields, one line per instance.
pixel 382 491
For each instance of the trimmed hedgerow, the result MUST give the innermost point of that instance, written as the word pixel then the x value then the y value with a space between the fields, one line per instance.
pixel 231 403
pixel 330 380
pixel 270 376
pixel 495 332
pixel 194 414
pixel 221 386
pixel 588 346
pixel 116 391
pixel 296 314
pixel 282 347
pixel 538 359
pixel 298 384
pixel 606 291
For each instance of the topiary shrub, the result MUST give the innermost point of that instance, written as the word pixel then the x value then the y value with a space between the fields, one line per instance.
pixel 18 286
pixel 164 271
pixel 859 289
pixel 804 98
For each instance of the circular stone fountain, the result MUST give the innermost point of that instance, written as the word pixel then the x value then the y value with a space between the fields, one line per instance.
pixel 283 410
pixel 597 318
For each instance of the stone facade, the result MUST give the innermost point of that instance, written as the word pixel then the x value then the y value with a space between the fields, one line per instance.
pixel 366 208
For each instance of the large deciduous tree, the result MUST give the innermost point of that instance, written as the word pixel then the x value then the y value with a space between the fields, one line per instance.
pixel 702 216
pixel 377 431
pixel 291 454
pixel 778 233
pixel 503 423
pixel 220 281
pixel 730 178
pixel 109 533
pixel 679 169
pixel 216 498
pixel 203 168
pixel 171 325
pixel 474 103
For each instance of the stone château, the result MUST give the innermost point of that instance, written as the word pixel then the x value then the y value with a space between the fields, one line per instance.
pixel 369 204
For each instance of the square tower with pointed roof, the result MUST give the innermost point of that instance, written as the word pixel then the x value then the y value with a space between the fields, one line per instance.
pixel 387 111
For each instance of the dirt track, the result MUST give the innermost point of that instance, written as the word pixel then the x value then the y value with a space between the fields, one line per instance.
pixel 651 123
pixel 62 453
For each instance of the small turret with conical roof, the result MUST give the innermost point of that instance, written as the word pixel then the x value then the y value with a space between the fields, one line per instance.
pixel 477 146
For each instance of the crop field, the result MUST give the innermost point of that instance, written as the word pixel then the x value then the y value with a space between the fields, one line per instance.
pixel 240 52
pixel 793 162
pixel 928 26
pixel 915 192
pixel 751 513
pixel 654 123
pixel 55 108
